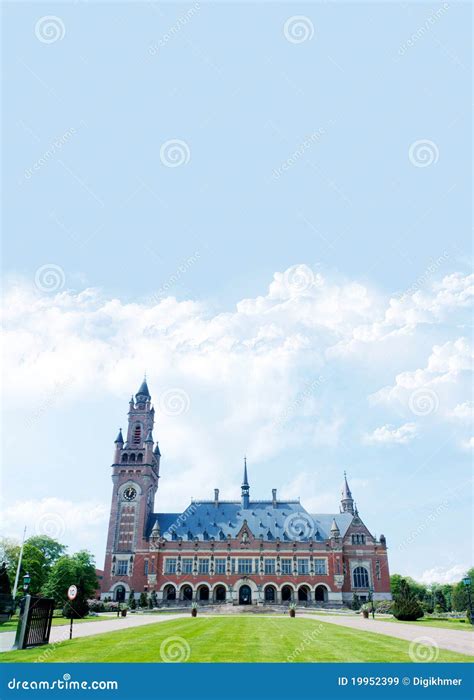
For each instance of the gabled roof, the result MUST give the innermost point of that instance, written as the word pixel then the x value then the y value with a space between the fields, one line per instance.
pixel 204 521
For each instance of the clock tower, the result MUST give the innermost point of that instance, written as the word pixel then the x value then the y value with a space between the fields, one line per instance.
pixel 135 474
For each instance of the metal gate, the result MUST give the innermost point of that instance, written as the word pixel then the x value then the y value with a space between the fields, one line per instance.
pixel 34 625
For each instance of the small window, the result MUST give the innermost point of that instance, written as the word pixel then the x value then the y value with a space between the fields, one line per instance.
pixel 122 567
pixel 170 566
pixel 132 458
pixel 269 566
pixel 245 566
pixel 125 458
pixel 377 569
pixel 204 566
pixel 303 566
pixel 286 566
pixel 187 566
pixel 137 435
pixel 220 566
pixel 320 567
pixel 145 567
pixel 140 457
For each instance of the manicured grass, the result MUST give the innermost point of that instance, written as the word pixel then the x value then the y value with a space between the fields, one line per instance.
pixel 426 622
pixel 239 639
pixel 12 624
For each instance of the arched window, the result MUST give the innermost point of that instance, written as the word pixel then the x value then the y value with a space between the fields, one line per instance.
pixel 124 458
pixel 132 458
pixel 137 434
pixel 140 457
pixel 361 577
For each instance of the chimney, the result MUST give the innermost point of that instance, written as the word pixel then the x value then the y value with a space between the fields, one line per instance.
pixel 274 497
pixel 216 497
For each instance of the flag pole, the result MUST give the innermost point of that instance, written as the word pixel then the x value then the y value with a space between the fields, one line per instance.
pixel 19 565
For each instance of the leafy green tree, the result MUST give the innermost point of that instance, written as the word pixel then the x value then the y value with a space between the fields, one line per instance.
pixel 51 549
pixel 440 600
pixel 78 569
pixel 406 605
pixel 355 605
pixel 143 602
pixel 132 603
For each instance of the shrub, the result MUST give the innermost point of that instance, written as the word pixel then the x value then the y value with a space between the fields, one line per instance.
pixel 355 602
pixel 96 606
pixel 76 608
pixel 405 605
pixel 384 606
pixel 111 606
pixel 143 601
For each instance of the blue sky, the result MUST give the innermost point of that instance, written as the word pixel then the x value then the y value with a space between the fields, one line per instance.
pixel 297 278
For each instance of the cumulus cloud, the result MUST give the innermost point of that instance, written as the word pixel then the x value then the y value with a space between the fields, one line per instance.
pixel 440 574
pixel 389 435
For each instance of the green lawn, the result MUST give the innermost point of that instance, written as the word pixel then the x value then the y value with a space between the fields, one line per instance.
pixel 426 622
pixel 12 624
pixel 230 639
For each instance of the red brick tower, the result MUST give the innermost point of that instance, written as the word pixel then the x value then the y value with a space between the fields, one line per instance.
pixel 135 481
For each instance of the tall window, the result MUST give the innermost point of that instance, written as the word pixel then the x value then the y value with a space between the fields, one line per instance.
pixel 245 566
pixel 204 566
pixel 137 434
pixel 358 539
pixel 220 566
pixel 361 577
pixel 187 566
pixel 320 567
pixel 377 569
pixel 286 566
pixel 303 566
pixel 122 567
pixel 145 567
pixel 170 566
pixel 269 566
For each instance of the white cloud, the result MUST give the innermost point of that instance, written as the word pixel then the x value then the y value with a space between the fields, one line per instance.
pixel 468 444
pixel 440 574
pixel 77 524
pixel 463 411
pixel 389 435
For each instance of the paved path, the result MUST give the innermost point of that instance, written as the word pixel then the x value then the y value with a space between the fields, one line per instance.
pixel 87 629
pixel 455 640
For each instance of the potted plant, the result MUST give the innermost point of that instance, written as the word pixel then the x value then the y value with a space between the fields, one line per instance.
pixel 194 610
pixel 292 609
pixel 123 610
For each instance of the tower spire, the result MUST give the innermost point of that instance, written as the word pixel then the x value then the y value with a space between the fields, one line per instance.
pixel 245 487
pixel 347 502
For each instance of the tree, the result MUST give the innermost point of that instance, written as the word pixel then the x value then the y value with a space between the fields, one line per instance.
pixel 143 602
pixel 440 600
pixel 355 605
pixel 51 549
pixel 131 600
pixel 406 605
pixel 78 569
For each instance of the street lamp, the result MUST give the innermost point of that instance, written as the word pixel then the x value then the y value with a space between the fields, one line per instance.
pixel 26 582
pixel 467 582
pixel 371 600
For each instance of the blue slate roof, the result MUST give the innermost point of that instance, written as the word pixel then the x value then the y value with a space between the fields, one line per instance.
pixel 205 521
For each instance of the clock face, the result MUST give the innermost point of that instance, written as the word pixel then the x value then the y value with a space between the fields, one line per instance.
pixel 129 494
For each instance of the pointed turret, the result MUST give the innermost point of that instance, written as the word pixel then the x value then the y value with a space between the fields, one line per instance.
pixel 347 502
pixel 143 393
pixel 245 487
pixel 119 438
pixel 118 447
pixel 156 451
pixel 149 437
pixel 335 532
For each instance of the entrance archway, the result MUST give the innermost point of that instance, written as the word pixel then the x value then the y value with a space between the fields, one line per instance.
pixel 286 594
pixel 119 594
pixel 245 595
pixel 186 593
pixel 270 594
pixel 219 594
pixel 169 592
pixel 203 593
pixel 321 594
pixel 304 594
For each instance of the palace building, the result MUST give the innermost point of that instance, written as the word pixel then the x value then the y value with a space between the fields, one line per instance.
pixel 241 552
